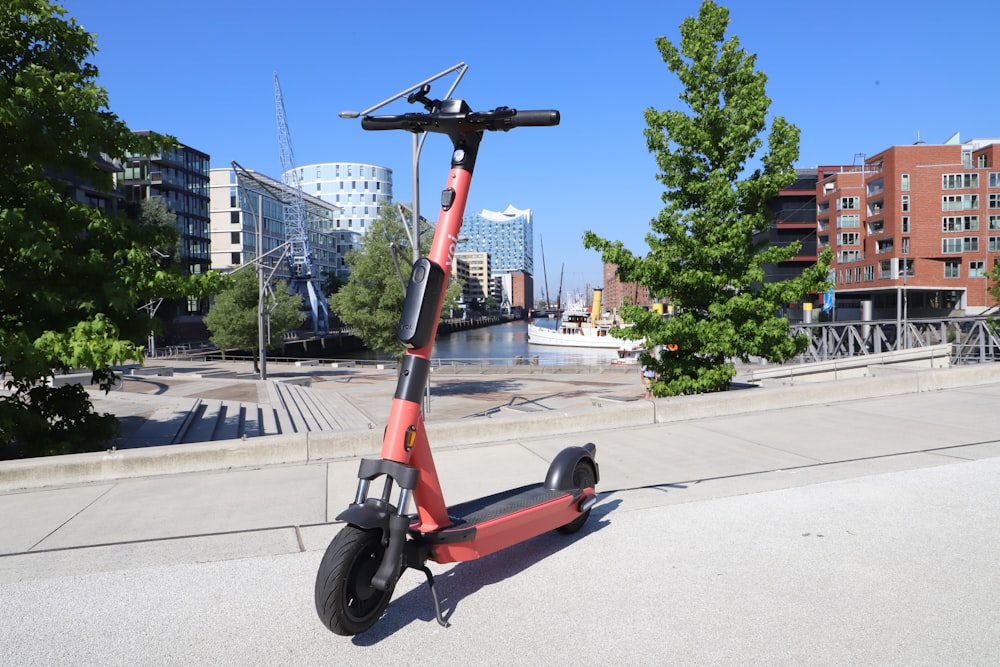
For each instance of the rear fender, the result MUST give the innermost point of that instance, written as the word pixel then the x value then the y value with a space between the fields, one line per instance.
pixel 560 475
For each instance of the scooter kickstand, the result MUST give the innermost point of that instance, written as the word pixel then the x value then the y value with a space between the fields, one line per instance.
pixel 437 606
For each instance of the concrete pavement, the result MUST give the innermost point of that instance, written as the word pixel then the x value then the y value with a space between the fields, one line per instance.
pixel 858 531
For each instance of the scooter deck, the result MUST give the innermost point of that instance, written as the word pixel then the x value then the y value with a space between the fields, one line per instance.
pixel 468 515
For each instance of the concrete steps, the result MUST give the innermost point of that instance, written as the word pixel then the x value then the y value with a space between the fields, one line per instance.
pixel 293 409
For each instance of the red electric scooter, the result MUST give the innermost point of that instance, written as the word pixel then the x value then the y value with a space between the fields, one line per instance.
pixel 360 568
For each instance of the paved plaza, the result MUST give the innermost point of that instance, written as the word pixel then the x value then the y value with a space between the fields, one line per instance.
pixel 859 529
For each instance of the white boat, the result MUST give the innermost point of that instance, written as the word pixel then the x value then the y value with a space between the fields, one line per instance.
pixel 628 355
pixel 578 328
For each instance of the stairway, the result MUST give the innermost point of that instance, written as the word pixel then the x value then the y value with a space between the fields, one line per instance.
pixel 293 409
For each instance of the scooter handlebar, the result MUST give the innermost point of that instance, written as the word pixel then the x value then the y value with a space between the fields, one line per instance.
pixel 534 118
pixel 500 119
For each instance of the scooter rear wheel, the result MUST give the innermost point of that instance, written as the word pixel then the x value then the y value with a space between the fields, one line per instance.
pixel 583 478
pixel 346 601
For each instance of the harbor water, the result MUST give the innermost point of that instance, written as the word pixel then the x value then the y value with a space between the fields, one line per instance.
pixel 507 344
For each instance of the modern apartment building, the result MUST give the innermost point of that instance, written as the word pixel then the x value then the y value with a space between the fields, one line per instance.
pixel 358 190
pixel 179 178
pixel 235 205
pixel 476 279
pixel 915 228
pixel 794 210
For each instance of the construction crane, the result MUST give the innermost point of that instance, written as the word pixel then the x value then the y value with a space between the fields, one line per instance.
pixel 302 281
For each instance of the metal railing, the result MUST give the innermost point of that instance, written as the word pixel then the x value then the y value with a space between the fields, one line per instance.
pixel 973 339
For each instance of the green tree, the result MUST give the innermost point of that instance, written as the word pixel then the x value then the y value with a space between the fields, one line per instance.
pixel 154 213
pixel 372 299
pixel 72 275
pixel 706 248
pixel 233 317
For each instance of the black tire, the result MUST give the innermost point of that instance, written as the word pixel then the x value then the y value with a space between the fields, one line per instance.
pixel 346 601
pixel 583 478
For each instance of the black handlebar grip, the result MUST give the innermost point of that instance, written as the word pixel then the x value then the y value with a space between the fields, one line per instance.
pixel 406 121
pixel 534 118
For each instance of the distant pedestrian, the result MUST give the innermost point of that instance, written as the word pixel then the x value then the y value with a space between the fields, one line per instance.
pixel 648 375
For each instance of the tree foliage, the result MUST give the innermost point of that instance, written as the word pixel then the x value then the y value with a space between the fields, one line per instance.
pixel 372 299
pixel 233 317
pixel 707 249
pixel 72 274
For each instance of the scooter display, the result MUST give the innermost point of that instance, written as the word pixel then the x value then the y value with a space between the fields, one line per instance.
pixel 379 540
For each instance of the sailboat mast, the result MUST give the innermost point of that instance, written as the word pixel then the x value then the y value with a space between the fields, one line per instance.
pixel 545 274
pixel 559 298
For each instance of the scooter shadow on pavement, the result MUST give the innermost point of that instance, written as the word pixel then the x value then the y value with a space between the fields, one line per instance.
pixel 465 579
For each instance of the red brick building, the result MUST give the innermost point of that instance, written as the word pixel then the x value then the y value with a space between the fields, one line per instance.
pixel 914 226
pixel 617 293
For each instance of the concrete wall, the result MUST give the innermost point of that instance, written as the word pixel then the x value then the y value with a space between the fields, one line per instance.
pixel 603 414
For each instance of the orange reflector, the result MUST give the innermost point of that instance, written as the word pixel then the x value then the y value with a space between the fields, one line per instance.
pixel 409 438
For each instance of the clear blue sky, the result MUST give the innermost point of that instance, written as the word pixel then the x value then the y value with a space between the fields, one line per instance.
pixel 855 76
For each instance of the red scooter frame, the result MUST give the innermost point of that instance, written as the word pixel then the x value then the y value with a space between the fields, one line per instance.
pixel 359 571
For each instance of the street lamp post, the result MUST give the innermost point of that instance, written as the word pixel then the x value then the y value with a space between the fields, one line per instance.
pixel 906 328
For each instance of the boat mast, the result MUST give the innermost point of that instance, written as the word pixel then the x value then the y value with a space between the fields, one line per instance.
pixel 559 297
pixel 545 274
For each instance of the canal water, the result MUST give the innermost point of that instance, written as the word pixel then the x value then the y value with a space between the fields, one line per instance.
pixel 507 344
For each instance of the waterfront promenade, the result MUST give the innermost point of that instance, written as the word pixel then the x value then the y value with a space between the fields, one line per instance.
pixel 849 522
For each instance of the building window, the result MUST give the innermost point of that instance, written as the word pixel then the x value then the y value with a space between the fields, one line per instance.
pixel 983 161
pixel 951 245
pixel 995 222
pixel 849 221
pixel 234 217
pixel 884 246
pixel 977 269
pixel 964 244
pixel 234 237
pixel 849 203
pixel 849 238
pixel 869 272
pixel 959 181
pixel 962 202
pixel 995 179
pixel 904 183
pixel 905 247
pixel 994 200
pixel 960 223
pixel 993 244
pixel 906 203
pixel 848 255
pixel 885 268
pixel 967 159
pixel 905 226
pixel 952 269
pixel 234 258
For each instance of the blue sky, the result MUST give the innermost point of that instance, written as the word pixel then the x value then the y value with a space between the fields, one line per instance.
pixel 855 76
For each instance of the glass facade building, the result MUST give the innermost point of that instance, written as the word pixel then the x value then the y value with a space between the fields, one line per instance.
pixel 178 177
pixel 508 237
pixel 234 210
pixel 358 190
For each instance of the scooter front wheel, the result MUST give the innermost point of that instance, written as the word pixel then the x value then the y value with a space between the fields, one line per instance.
pixel 346 601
